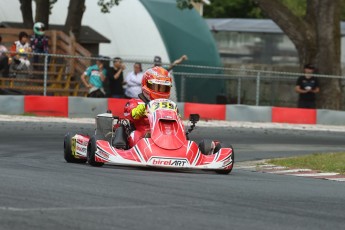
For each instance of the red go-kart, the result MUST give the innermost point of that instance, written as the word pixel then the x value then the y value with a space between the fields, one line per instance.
pixel 166 145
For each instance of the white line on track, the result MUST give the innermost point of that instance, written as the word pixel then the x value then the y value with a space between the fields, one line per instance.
pixel 336 179
pixel 57 209
pixel 291 171
pixel 315 174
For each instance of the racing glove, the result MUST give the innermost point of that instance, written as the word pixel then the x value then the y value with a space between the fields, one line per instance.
pixel 139 111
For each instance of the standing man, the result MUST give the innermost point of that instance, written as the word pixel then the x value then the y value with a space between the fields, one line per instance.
pixel 157 61
pixel 133 81
pixel 96 75
pixel 39 44
pixel 115 78
pixel 307 86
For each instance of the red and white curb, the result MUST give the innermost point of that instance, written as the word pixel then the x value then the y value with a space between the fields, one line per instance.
pixel 260 166
pixel 301 172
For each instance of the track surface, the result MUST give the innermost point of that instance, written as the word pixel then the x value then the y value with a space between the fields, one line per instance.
pixel 38 190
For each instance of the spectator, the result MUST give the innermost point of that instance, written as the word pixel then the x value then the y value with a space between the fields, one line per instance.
pixel 96 75
pixel 133 81
pixel 115 78
pixel 307 86
pixel 38 43
pixel 157 61
pixel 4 61
pixel 20 50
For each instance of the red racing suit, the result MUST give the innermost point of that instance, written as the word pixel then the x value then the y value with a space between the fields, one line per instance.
pixel 135 112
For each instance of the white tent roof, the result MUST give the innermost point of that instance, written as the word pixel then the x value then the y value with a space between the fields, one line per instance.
pixel 127 26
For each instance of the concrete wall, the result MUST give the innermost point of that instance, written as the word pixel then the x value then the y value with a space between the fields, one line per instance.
pixel 248 113
pixel 11 105
pixel 86 107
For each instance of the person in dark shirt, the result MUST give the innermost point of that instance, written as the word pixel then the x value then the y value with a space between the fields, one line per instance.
pixel 307 86
pixel 4 61
pixel 39 45
pixel 115 78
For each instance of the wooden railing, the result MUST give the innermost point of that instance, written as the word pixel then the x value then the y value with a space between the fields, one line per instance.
pixel 61 69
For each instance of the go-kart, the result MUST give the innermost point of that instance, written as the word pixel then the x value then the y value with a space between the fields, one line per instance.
pixel 166 145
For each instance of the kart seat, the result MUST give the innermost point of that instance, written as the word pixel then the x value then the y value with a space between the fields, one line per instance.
pixel 120 138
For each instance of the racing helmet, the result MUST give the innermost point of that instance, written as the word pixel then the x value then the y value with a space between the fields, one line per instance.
pixel 39 28
pixel 156 83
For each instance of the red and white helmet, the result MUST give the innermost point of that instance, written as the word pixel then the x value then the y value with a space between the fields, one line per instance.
pixel 156 83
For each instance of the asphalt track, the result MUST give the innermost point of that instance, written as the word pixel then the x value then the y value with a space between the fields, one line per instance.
pixel 39 190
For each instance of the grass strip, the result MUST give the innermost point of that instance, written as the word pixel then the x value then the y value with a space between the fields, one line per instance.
pixel 325 162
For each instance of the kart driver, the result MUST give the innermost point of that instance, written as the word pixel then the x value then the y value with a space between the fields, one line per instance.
pixel 156 84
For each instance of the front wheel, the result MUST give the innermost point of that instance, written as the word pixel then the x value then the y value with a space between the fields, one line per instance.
pixel 227 171
pixel 206 147
pixel 91 153
pixel 67 147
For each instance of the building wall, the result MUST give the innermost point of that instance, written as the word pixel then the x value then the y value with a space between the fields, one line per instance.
pixel 250 48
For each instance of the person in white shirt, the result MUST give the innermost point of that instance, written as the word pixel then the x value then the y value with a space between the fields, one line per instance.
pixel 20 50
pixel 133 81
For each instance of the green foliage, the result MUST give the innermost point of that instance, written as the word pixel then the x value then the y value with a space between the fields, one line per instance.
pixel 297 7
pixel 247 8
pixel 106 5
pixel 232 9
pixel 185 4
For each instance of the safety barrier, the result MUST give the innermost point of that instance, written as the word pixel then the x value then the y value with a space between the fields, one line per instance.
pixel 78 107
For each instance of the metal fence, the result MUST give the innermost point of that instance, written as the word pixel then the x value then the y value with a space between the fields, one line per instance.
pixel 250 86
pixel 56 74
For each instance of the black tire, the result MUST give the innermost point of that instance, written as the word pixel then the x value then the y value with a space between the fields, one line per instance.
pixel 67 147
pixel 227 171
pixel 91 152
pixel 205 147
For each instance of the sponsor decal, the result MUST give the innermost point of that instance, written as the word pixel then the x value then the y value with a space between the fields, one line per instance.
pixel 81 149
pixel 227 161
pixel 169 162
pixel 82 142
pixel 103 154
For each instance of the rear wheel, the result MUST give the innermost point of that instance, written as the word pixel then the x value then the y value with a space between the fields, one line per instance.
pixel 67 146
pixel 91 153
pixel 226 171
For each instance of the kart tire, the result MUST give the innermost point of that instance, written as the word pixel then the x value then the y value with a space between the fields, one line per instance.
pixel 91 153
pixel 67 147
pixel 205 147
pixel 226 171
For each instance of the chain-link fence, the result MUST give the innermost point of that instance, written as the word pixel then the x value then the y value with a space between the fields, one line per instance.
pixel 60 75
pixel 246 86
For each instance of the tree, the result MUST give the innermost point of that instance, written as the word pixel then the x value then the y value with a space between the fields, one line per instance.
pixel 26 8
pixel 42 12
pixel 76 10
pixel 317 40
pixel 43 9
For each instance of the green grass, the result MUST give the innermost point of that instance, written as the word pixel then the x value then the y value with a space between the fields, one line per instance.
pixel 328 162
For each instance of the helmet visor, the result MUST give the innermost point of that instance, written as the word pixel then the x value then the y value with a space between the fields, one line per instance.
pixel 158 87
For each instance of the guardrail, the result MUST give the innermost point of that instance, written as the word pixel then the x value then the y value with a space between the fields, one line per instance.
pixel 234 85
pixel 81 107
